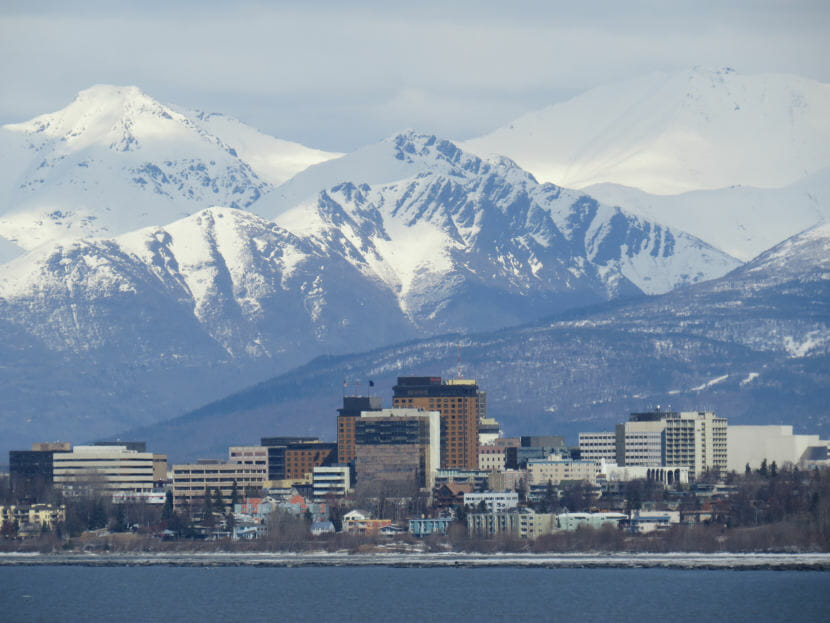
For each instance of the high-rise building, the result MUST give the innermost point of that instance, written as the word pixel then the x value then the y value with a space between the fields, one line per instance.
pixel 695 439
pixel 353 406
pixel 31 472
pixel 397 451
pixel 457 402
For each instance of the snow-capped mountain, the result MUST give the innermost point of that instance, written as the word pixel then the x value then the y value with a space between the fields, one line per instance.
pixel 669 134
pixel 753 345
pixel 438 225
pixel 115 160
pixel 461 244
pixel 224 295
pixel 222 283
pixel 742 221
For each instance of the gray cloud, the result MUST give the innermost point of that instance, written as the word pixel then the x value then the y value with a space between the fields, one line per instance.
pixel 337 76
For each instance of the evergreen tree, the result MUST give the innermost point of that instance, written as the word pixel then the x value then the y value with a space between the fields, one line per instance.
pixel 773 470
pixel 234 496
pixel 763 471
pixel 207 505
pixel 218 501
pixel 747 470
pixel 120 524
pixel 167 512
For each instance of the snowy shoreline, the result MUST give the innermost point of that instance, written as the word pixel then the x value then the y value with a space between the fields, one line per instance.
pixel 781 562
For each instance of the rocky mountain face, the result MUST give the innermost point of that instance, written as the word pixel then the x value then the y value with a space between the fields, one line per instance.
pixel 739 161
pixel 116 160
pixel 753 345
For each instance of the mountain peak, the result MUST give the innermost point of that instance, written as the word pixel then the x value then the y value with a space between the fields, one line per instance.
pixel 699 129
pixel 104 114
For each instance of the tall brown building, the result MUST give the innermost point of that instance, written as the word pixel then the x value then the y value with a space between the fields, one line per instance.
pixel 353 406
pixel 457 402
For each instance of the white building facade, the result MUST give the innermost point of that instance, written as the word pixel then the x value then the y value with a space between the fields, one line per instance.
pixel 103 468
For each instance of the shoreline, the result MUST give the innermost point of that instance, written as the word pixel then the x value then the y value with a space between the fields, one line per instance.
pixel 720 561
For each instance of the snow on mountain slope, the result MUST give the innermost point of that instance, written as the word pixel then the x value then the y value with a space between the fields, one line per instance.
pixel 390 160
pixel 452 223
pixel 234 284
pixel 272 159
pixel 740 220
pixel 115 160
pixel 9 250
pixel 668 134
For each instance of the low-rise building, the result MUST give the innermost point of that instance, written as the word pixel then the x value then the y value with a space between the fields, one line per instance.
pixel 331 481
pixel 478 478
pixel 357 522
pixel 667 475
pixel 495 501
pixel 541 472
pixel 572 521
pixel 493 524
pixel 644 521
pixel 533 525
pixel 40 515
pixel 191 481
pixel 104 468
pixel 751 445
pixel 430 525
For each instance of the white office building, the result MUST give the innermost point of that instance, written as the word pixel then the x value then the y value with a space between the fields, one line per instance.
pixel 331 480
pixel 598 446
pixel 496 501
pixel 103 468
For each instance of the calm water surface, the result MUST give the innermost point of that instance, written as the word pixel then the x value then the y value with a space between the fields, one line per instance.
pixel 228 594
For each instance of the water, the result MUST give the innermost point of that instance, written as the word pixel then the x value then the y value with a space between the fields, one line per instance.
pixel 250 594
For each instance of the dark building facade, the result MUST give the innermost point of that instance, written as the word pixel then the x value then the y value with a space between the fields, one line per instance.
pixel 295 457
pixel 396 452
pixel 32 471
pixel 353 406
pixel 458 405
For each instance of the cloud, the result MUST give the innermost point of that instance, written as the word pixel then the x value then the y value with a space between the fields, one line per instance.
pixel 338 75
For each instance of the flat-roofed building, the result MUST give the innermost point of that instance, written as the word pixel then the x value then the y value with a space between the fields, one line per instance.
pixel 103 468
pixel 495 501
pixel 751 445
pixel 353 406
pixel 248 455
pixel 331 481
pixel 457 403
pixel 31 472
pixel 533 525
pixel 192 481
pixel 572 521
pixel 491 458
pixel 294 458
pixel 598 446
pixel 540 472
pixel 397 450
pixel 696 439
pixel 493 524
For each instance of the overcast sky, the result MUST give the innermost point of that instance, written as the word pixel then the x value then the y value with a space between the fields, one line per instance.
pixel 339 75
